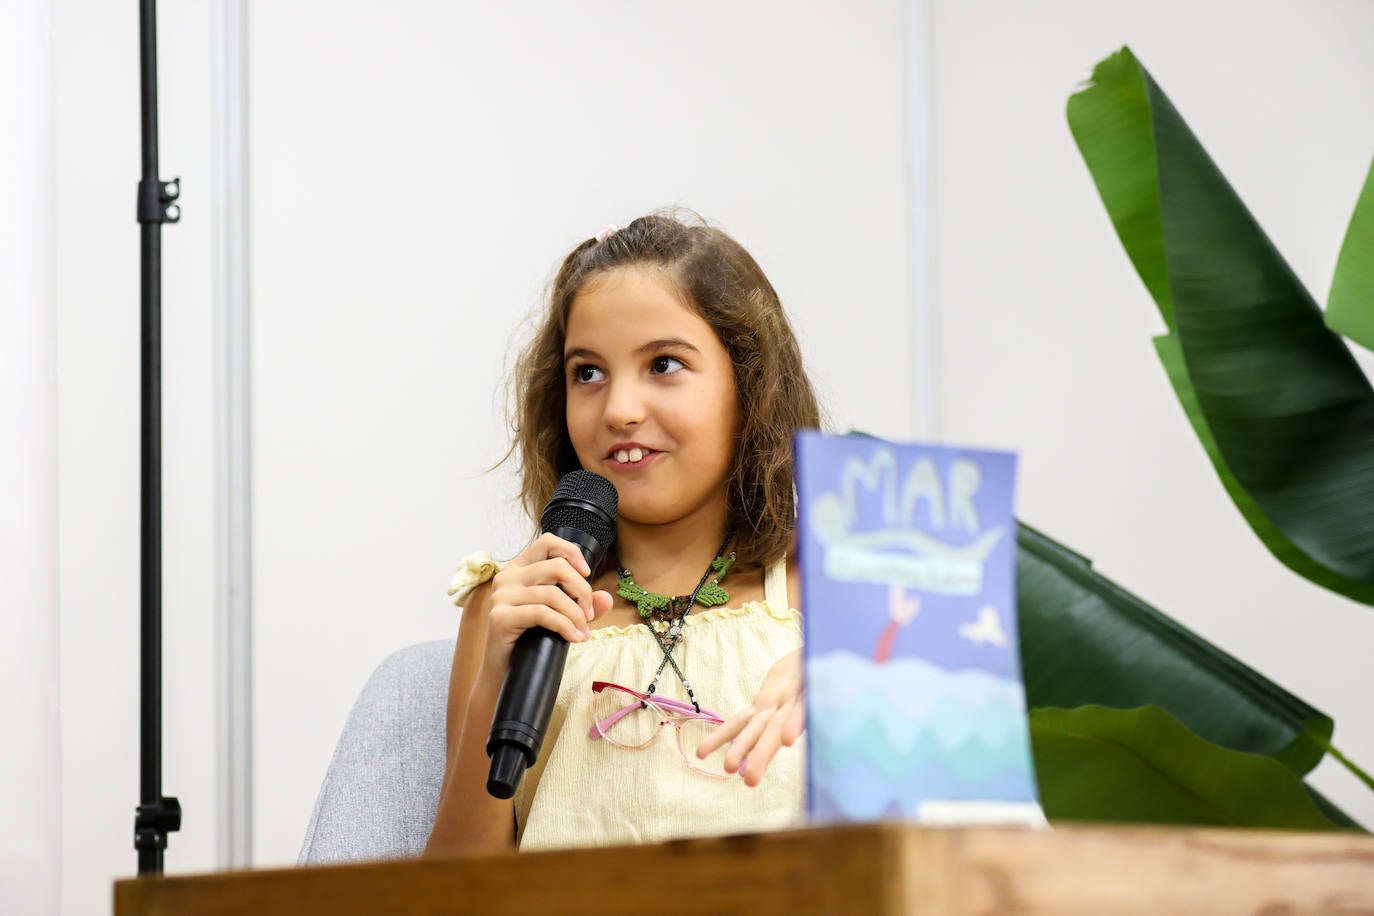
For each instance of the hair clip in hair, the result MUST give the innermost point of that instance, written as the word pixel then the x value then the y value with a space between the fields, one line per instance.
pixel 607 233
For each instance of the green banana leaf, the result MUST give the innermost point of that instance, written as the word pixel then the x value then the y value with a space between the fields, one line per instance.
pixel 1143 765
pixel 1110 122
pixel 1171 355
pixel 1334 814
pixel 1085 640
pixel 1350 307
pixel 1288 412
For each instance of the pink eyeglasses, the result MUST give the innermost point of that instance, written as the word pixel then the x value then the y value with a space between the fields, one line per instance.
pixel 634 720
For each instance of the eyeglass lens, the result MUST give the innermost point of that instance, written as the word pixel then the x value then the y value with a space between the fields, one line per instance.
pixel 638 726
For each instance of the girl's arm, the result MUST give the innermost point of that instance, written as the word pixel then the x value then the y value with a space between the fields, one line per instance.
pixel 543 587
pixel 469 820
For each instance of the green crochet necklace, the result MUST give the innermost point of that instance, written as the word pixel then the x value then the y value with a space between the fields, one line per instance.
pixel 667 607
pixel 658 611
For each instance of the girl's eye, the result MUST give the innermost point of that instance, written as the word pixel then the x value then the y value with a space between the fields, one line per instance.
pixel 586 373
pixel 663 365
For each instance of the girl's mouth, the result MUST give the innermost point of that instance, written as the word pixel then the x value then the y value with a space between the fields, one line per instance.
pixel 632 459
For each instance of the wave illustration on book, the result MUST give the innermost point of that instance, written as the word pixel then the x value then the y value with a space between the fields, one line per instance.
pixel 908 731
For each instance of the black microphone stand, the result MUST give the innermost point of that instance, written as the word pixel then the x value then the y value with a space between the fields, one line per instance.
pixel 157 814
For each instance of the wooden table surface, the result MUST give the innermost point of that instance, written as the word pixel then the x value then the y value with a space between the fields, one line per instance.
pixel 884 868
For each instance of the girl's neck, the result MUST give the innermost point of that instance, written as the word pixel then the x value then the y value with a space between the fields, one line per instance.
pixel 670 559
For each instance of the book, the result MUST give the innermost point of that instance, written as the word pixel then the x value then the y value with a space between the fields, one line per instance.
pixel 915 704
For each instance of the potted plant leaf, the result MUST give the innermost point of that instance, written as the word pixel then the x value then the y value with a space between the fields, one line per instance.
pixel 1133 718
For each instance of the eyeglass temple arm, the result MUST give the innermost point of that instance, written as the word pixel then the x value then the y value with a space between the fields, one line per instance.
pixel 667 703
pixel 601 725
pixel 685 709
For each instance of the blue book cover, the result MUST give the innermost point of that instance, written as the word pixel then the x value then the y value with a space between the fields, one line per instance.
pixel 915 704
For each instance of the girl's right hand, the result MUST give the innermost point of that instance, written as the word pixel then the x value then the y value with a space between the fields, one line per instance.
pixel 545 586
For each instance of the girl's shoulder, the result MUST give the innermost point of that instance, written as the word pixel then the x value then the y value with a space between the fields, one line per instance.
pixel 782 582
pixel 475 571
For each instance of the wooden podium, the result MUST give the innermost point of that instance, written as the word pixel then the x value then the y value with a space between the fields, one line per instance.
pixel 884 868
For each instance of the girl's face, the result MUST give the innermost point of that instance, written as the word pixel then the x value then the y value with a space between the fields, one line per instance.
pixel 651 397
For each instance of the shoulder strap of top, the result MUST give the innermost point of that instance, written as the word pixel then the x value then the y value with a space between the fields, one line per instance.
pixel 775 584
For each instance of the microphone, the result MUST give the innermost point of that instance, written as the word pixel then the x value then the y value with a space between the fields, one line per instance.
pixel 582 511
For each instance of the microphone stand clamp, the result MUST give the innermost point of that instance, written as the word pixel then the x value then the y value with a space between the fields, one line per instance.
pixel 153 822
pixel 157 201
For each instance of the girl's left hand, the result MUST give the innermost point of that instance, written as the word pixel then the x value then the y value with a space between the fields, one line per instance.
pixel 775 719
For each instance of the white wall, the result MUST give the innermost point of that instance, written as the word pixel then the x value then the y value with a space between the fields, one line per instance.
pixel 31 762
pixel 1045 327
pixel 416 172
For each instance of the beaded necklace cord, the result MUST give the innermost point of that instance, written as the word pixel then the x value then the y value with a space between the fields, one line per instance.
pixel 653 606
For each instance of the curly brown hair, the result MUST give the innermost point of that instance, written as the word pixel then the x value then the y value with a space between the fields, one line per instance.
pixel 725 286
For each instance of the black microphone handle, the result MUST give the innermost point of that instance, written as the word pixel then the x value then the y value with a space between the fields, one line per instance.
pixel 524 707
pixel 530 690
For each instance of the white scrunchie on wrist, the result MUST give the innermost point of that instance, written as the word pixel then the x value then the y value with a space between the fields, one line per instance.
pixel 477 568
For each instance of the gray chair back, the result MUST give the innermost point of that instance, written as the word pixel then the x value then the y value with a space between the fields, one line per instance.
pixel 382 786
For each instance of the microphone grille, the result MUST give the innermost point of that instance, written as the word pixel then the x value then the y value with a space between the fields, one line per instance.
pixel 585 501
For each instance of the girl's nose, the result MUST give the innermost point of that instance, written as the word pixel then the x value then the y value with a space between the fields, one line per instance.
pixel 624 405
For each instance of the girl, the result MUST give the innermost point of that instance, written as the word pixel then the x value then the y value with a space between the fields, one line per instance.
pixel 665 363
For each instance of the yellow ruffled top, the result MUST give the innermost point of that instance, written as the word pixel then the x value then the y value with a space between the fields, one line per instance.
pixel 585 792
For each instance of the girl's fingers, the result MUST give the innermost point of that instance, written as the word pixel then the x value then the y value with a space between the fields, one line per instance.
pixel 601 603
pixel 764 749
pixel 743 746
pixel 724 732
pixel 558 571
pixel 778 712
pixel 545 586
pixel 796 723
pixel 538 615
pixel 548 546
pixel 572 553
pixel 553 597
